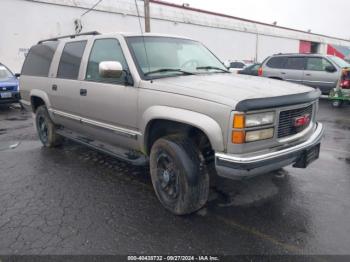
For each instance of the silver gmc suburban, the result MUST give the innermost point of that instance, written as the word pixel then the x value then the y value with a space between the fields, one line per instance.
pixel 169 102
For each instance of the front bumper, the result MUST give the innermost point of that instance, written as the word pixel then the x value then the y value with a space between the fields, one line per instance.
pixel 14 99
pixel 239 166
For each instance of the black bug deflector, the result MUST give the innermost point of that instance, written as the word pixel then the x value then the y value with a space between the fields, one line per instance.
pixel 277 101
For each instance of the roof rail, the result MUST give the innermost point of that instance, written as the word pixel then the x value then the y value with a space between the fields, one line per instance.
pixel 69 36
pixel 300 54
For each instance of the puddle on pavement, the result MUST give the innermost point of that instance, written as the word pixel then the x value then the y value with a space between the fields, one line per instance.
pixel 19 145
pixel 253 192
pixel 16 118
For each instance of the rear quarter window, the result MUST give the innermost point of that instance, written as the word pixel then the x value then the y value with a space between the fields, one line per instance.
pixel 69 65
pixel 38 60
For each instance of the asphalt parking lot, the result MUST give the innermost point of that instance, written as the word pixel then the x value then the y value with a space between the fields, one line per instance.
pixel 73 200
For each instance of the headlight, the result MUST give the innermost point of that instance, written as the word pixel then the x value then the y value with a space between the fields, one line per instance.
pixel 262 134
pixel 259 119
pixel 243 122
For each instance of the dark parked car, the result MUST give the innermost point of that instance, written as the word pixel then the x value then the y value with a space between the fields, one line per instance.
pixel 250 70
pixel 9 91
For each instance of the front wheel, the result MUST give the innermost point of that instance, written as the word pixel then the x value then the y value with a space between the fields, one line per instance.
pixel 337 103
pixel 179 177
pixel 46 129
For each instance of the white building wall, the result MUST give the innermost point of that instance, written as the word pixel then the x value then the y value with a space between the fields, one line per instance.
pixel 268 45
pixel 27 21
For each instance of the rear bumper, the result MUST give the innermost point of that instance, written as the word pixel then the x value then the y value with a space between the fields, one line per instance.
pixel 238 166
pixel 14 99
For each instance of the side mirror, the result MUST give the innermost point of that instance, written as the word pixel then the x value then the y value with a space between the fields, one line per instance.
pixel 110 69
pixel 17 75
pixel 330 69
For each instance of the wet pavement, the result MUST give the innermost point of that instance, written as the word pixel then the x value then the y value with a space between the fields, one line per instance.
pixel 73 200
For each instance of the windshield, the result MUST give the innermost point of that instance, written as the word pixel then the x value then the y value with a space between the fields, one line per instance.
pixel 165 56
pixel 5 74
pixel 340 62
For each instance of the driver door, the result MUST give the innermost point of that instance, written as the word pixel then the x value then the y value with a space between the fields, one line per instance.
pixel 109 106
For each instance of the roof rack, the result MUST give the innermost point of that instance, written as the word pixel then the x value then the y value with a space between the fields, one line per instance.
pixel 70 36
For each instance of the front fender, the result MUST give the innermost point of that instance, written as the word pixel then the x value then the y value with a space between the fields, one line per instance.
pixel 203 122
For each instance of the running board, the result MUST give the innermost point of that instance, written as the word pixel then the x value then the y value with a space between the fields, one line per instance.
pixel 133 157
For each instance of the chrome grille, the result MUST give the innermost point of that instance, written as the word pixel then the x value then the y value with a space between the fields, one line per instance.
pixel 287 118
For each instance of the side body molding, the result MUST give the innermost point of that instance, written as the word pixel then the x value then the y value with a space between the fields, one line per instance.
pixel 203 122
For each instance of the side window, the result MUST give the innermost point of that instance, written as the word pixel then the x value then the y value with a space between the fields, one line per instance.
pixel 38 60
pixel 277 62
pixel 105 50
pixel 236 65
pixel 70 60
pixel 317 64
pixel 295 63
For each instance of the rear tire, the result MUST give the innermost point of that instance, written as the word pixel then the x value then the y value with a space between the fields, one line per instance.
pixel 179 176
pixel 46 128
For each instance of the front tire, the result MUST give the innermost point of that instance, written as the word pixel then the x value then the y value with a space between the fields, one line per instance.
pixel 46 129
pixel 179 176
pixel 337 103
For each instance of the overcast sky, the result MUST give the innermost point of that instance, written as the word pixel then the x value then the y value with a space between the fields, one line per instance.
pixel 330 17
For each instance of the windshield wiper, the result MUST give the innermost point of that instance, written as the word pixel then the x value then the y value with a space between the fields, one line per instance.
pixel 168 70
pixel 213 67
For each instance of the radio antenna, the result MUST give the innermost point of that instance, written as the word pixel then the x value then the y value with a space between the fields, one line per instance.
pixel 142 35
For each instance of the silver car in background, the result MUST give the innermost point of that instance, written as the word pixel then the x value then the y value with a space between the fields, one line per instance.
pixel 313 70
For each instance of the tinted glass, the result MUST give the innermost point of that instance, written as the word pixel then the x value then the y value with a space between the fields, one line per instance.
pixel 38 60
pixel 317 64
pixel 105 50
pixel 296 63
pixel 236 65
pixel 70 60
pixel 277 62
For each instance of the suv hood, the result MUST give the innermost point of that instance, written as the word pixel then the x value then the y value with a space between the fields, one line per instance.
pixel 227 89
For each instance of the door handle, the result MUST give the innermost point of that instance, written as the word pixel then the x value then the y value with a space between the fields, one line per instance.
pixel 83 92
pixel 308 74
pixel 283 73
pixel 54 87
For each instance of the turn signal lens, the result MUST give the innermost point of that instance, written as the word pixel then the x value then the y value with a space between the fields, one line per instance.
pixel 238 137
pixel 238 121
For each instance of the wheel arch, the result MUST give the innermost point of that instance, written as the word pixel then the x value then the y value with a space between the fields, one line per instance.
pixel 38 98
pixel 208 126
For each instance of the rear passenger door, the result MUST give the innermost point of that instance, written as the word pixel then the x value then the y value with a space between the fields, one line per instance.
pixel 65 89
pixel 316 75
pixel 294 69
pixel 109 107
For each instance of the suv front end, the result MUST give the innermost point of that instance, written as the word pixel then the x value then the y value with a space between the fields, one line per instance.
pixel 270 133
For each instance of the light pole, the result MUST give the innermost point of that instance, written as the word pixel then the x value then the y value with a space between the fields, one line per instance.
pixel 147 17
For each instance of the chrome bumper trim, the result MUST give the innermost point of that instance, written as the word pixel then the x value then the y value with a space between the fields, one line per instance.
pixel 229 165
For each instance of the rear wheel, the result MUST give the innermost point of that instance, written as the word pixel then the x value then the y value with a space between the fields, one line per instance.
pixel 46 128
pixel 179 176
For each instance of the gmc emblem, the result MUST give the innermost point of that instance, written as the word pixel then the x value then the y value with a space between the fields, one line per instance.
pixel 302 120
